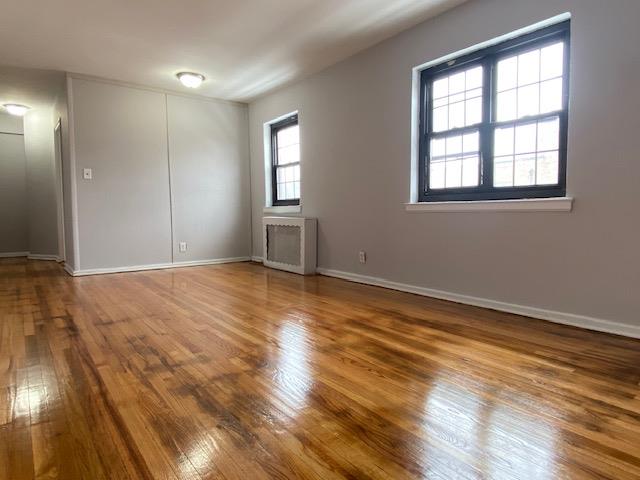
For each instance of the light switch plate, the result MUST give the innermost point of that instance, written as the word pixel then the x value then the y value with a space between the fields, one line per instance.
pixel 87 174
pixel 183 247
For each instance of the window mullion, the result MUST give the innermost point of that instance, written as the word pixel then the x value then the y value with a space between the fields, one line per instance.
pixel 486 133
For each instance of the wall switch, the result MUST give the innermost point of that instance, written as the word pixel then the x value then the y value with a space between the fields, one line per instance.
pixel 362 256
pixel 87 174
pixel 183 247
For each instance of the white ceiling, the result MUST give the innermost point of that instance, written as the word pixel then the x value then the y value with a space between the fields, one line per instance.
pixel 244 47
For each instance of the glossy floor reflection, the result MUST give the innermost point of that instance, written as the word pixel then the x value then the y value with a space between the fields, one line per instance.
pixel 240 372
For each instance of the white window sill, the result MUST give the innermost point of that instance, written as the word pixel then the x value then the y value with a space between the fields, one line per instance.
pixel 555 204
pixel 283 209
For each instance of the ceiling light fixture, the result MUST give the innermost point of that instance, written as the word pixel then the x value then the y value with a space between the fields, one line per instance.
pixel 190 79
pixel 15 109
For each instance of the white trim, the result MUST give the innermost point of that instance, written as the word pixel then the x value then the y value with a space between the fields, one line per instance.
pixel 68 269
pixel 574 320
pixel 13 254
pixel 157 266
pixel 57 133
pixel 415 88
pixel 556 204
pixel 283 209
pixel 256 259
pixel 39 256
pixel 72 171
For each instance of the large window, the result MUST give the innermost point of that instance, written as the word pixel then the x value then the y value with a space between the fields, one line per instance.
pixel 493 124
pixel 285 159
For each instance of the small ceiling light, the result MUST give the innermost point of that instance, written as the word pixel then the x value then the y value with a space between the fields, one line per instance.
pixel 190 79
pixel 15 109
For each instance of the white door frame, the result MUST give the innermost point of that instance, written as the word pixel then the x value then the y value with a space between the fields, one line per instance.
pixel 57 142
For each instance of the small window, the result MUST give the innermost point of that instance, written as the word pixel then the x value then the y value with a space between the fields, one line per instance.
pixel 493 124
pixel 285 158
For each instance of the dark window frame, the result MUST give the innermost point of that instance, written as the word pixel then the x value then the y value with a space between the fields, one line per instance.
pixel 488 57
pixel 275 128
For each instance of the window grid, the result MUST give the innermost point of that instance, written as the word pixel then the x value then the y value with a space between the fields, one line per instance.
pixel 285 167
pixel 545 168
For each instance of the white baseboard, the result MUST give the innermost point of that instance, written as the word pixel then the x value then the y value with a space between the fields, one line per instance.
pixel 13 254
pixel 581 321
pixel 158 266
pixel 256 259
pixel 38 256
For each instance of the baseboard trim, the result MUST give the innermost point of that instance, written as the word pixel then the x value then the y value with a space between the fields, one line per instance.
pixel 157 266
pixel 38 256
pixel 571 319
pixel 256 259
pixel 13 254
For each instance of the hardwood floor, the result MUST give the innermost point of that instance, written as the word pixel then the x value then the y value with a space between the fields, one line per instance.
pixel 240 372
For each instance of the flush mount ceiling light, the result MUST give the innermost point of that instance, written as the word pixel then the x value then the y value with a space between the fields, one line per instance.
pixel 190 79
pixel 15 109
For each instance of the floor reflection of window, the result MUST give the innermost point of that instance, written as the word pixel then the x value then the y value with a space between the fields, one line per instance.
pixel 481 435
pixel 293 375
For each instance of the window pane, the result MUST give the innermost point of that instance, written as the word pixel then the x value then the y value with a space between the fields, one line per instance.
pixel 507 74
pixel 551 61
pixel 289 193
pixel 473 111
pixel 440 119
pixel 453 173
pixel 530 142
pixel 454 145
pixel 474 78
pixel 436 174
pixel 456 115
pixel 457 100
pixel 456 83
pixel 503 141
pixel 455 161
pixel 441 88
pixel 551 95
pixel 525 138
pixel 547 168
pixel 503 171
pixel 290 154
pixel 288 136
pixel 529 67
pixel 296 173
pixel 470 142
pixel 437 147
pixel 528 100
pixel 525 170
pixel 549 135
pixel 507 105
pixel 296 189
pixel 470 171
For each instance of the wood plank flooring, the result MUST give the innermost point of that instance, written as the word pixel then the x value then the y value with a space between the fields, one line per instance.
pixel 240 372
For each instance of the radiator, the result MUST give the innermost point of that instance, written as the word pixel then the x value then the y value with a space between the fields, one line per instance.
pixel 289 243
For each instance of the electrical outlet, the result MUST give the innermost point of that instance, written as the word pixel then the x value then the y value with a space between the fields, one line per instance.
pixel 87 174
pixel 183 247
pixel 362 256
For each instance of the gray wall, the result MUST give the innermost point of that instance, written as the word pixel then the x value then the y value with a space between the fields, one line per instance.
pixel 13 187
pixel 209 152
pixel 124 214
pixel 355 143
pixel 41 181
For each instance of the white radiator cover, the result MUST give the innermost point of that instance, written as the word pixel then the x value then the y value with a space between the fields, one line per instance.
pixel 289 243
